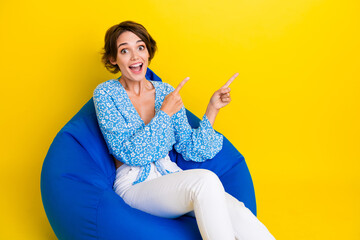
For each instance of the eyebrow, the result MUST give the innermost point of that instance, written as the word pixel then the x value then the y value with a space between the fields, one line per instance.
pixel 127 43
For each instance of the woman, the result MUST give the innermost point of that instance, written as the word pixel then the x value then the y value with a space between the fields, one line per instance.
pixel 142 120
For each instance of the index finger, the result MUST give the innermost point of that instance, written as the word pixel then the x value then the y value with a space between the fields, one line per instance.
pixel 178 88
pixel 227 84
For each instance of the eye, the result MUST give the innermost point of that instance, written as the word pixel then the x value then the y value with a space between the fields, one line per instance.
pixel 124 50
pixel 141 47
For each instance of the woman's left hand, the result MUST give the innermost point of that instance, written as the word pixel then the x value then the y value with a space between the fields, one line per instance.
pixel 221 97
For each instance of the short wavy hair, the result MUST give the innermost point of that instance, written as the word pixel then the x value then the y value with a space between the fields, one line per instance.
pixel 111 36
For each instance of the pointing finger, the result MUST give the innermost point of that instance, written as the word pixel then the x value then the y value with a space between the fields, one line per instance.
pixel 224 90
pixel 227 84
pixel 178 88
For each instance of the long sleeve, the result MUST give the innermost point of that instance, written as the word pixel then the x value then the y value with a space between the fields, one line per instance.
pixel 133 144
pixel 197 144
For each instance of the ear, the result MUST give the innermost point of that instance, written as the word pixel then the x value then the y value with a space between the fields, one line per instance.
pixel 111 59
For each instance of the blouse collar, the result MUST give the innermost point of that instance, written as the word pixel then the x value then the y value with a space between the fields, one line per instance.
pixel 129 103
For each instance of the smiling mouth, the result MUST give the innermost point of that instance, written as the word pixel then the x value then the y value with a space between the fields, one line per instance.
pixel 136 68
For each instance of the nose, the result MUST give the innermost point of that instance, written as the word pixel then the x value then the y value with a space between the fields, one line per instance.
pixel 134 55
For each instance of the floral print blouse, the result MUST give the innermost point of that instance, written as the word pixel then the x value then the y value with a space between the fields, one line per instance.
pixel 132 142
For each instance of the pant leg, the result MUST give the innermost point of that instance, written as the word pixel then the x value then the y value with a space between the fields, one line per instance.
pixel 176 194
pixel 245 223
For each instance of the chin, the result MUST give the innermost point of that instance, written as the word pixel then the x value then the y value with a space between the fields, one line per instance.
pixel 136 78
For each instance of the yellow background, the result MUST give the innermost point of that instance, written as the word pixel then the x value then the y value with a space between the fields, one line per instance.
pixel 294 115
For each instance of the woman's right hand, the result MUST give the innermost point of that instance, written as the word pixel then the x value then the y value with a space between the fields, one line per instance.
pixel 173 102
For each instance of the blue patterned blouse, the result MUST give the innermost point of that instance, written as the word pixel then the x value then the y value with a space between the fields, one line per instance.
pixel 132 142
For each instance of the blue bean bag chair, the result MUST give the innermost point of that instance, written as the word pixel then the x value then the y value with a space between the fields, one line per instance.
pixel 78 174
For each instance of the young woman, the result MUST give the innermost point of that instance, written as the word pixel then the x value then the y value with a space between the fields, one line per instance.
pixel 142 120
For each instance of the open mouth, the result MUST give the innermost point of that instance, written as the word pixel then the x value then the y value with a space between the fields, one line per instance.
pixel 136 68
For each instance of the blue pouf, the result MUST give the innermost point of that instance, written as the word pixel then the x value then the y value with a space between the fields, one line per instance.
pixel 78 174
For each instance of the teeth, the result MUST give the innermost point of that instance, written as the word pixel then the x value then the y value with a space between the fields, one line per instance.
pixel 136 65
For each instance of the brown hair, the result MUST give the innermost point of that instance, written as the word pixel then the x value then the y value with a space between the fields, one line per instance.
pixel 111 36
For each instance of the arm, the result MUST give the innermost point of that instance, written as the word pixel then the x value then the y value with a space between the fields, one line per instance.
pixel 197 144
pixel 135 147
pixel 211 114
pixel 194 144
pixel 201 143
pixel 219 99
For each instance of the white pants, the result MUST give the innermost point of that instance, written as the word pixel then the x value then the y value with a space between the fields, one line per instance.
pixel 196 192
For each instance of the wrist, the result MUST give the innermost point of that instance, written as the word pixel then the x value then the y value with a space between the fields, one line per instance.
pixel 211 113
pixel 211 109
pixel 165 111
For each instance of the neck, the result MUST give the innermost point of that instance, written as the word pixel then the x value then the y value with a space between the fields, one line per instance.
pixel 135 87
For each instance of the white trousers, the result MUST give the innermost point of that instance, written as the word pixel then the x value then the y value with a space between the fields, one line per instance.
pixel 196 192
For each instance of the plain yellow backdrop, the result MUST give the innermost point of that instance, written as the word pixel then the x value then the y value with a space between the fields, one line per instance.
pixel 294 113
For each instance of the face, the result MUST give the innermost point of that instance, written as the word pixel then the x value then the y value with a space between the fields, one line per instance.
pixel 132 56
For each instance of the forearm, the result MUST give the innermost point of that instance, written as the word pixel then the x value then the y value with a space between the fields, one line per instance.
pixel 211 113
pixel 196 144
